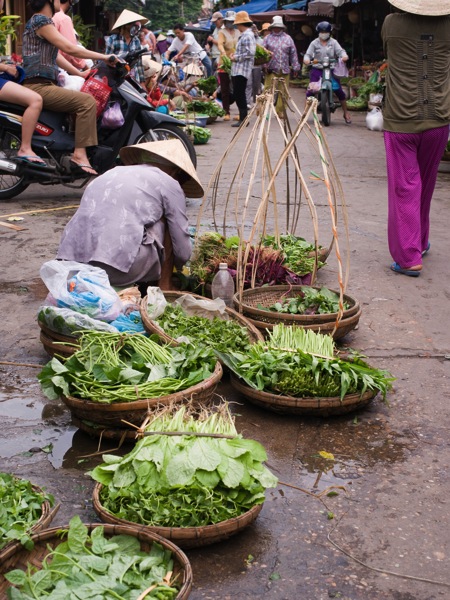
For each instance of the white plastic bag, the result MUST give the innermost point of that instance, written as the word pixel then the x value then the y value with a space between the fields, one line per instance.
pixel 113 117
pixel 82 288
pixel 314 86
pixel 340 70
pixel 70 82
pixel 156 302
pixel 374 120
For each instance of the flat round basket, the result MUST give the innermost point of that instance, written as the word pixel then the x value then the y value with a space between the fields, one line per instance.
pixel 19 559
pixel 114 415
pixel 252 299
pixel 55 343
pixel 317 407
pixel 103 432
pixel 152 327
pixel 186 537
pixel 47 515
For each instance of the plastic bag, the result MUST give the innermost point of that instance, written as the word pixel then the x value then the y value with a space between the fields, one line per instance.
pixel 374 120
pixel 83 288
pixel 314 86
pixel 340 70
pixel 202 307
pixel 113 117
pixel 130 323
pixel 68 322
pixel 156 302
pixel 70 82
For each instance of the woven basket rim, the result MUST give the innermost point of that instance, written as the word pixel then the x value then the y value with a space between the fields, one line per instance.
pixel 55 335
pixel 141 533
pixel 325 325
pixel 53 347
pixel 207 533
pixel 152 327
pixel 144 403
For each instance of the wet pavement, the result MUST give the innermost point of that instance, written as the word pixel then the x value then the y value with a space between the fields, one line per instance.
pixel 380 529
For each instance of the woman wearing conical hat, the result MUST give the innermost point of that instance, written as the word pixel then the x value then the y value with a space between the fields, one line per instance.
pixel 120 42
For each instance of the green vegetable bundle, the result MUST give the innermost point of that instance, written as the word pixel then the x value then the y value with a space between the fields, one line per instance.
pixel 301 363
pixel 201 135
pixel 217 333
pixel 309 301
pixel 20 509
pixel 261 55
pixel 92 565
pixel 297 252
pixel 212 109
pixel 122 368
pixel 194 470
pixel 225 64
pixel 207 85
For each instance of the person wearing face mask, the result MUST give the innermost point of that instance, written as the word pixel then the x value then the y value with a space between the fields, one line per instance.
pixel 324 45
pixel 284 58
pixel 226 42
pixel 120 42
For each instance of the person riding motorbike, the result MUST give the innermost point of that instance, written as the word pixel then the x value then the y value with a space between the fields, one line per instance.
pixel 324 45
pixel 41 59
pixel 121 41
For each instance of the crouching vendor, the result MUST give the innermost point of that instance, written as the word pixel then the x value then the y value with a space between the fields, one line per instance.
pixel 132 220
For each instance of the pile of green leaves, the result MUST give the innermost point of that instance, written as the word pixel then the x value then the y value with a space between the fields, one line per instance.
pixel 207 85
pixel 186 480
pixel 217 333
pixel 309 301
pixel 20 509
pixel 225 64
pixel 301 363
pixel 122 368
pixel 200 135
pixel 298 253
pixel 97 567
pixel 211 108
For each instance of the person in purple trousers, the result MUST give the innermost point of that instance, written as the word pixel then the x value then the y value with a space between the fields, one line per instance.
pixel 416 42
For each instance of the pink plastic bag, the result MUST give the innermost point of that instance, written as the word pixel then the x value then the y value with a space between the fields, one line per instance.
pixel 113 117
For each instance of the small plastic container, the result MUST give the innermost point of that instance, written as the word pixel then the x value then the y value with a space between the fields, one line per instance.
pixel 223 285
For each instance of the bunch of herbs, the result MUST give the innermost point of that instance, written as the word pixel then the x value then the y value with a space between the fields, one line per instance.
pixel 309 301
pixel 298 254
pixel 203 474
pixel 92 565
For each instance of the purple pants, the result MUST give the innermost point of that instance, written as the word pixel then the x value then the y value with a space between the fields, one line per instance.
pixel 412 161
pixel 316 75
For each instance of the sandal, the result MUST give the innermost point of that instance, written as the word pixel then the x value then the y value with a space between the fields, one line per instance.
pixel 347 120
pixel 82 168
pixel 410 272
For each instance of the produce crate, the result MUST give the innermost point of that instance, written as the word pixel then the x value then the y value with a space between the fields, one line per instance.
pixel 50 538
pixel 185 537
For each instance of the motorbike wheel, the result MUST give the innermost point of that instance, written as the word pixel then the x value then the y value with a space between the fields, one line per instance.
pixel 325 109
pixel 10 185
pixel 167 131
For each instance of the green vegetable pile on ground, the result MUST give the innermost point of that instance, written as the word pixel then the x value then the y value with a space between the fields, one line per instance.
pixel 217 333
pixel 211 108
pixel 122 368
pixel 186 480
pixel 20 509
pixel 92 565
pixel 201 135
pixel 208 85
pixel 309 301
pixel 297 252
pixel 301 363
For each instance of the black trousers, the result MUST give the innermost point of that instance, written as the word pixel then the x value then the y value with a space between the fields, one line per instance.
pixel 239 85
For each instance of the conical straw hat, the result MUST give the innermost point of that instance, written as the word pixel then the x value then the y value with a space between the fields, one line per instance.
pixel 126 17
pixel 151 67
pixel 429 8
pixel 165 152
pixel 192 69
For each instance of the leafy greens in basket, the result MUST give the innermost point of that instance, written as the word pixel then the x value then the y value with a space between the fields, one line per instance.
pixel 301 363
pixel 92 565
pixel 122 368
pixel 188 480
pixel 308 301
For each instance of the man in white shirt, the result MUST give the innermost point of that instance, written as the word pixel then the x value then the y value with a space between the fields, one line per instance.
pixel 185 43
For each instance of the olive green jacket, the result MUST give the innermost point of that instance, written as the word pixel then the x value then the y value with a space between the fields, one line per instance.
pixel 417 94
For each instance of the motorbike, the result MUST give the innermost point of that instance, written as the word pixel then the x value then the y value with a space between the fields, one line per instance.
pixel 325 96
pixel 53 139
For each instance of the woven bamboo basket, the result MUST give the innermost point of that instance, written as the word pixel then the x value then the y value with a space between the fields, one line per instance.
pixel 186 537
pixel 104 432
pixel 47 515
pixel 19 559
pixel 113 415
pixel 55 343
pixel 152 327
pixel 265 320
pixel 315 407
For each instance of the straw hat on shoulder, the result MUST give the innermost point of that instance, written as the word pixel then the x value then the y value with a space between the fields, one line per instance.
pixel 427 8
pixel 277 21
pixel 151 67
pixel 127 17
pixel 243 18
pixel 166 152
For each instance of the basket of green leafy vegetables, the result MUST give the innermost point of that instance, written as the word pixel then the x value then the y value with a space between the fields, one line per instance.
pixel 97 561
pixel 311 307
pixel 191 478
pixel 228 330
pixel 115 379
pixel 25 509
pixel 297 371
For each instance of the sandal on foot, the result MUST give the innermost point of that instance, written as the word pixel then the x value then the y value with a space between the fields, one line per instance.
pixel 35 161
pixel 347 120
pixel 410 272
pixel 427 249
pixel 81 169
